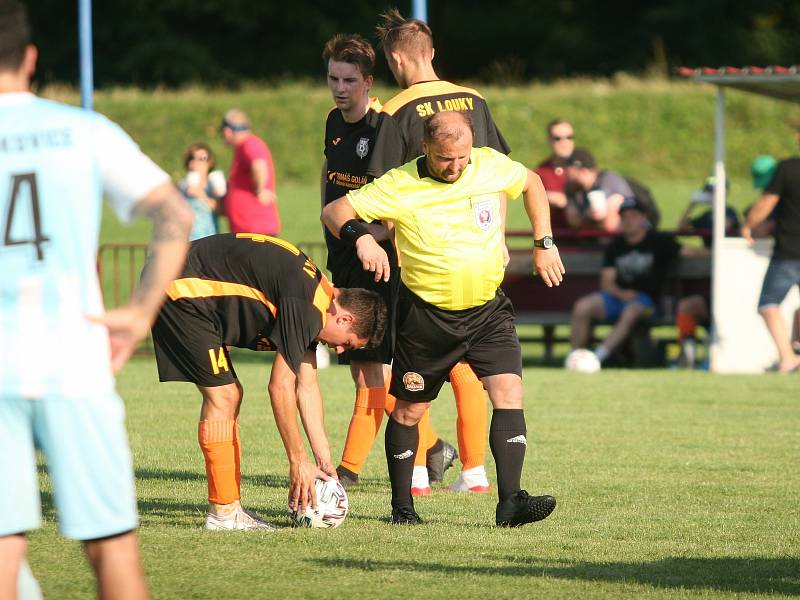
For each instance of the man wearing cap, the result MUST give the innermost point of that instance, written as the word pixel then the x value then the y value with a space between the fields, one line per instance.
pixel 783 193
pixel 598 194
pixel 762 170
pixel 553 169
pixel 634 265
pixel 250 204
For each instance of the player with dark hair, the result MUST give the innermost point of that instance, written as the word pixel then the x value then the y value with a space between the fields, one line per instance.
pixel 445 207
pixel 349 140
pixel 58 391
pixel 409 51
pixel 258 292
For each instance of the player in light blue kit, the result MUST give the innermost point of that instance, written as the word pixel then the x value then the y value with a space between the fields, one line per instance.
pixel 59 348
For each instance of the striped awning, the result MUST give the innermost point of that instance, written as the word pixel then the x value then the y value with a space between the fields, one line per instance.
pixel 774 81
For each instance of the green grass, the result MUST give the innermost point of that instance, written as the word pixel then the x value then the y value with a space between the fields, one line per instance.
pixel 670 485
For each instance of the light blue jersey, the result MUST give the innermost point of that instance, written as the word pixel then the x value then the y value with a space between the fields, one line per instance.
pixel 56 161
pixel 56 383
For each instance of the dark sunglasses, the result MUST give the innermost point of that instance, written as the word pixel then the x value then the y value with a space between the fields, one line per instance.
pixel 558 138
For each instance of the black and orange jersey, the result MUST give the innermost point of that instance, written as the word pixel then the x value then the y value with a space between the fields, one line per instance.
pixel 399 138
pixel 348 147
pixel 261 292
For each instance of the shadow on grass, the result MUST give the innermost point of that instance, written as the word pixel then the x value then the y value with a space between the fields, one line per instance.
pixel 735 574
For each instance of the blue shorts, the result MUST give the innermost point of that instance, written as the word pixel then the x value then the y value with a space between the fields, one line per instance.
pixel 781 275
pixel 86 447
pixel 613 306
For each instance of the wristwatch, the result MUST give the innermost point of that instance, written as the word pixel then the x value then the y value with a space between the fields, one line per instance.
pixel 546 242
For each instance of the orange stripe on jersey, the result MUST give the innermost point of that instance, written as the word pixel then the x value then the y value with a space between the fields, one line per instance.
pixel 424 90
pixel 193 287
pixel 323 296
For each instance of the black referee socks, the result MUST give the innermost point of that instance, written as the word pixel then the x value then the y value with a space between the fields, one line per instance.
pixel 401 447
pixel 508 443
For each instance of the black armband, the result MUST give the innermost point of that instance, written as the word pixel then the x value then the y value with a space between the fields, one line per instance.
pixel 352 230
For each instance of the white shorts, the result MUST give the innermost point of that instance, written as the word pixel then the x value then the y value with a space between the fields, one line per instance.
pixel 86 449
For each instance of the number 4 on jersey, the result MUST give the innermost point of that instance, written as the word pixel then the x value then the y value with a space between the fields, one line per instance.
pixel 17 187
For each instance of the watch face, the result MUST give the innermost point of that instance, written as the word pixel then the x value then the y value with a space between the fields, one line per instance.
pixel 547 242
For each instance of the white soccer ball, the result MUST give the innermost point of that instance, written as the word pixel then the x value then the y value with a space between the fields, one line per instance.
pixel 582 361
pixel 332 506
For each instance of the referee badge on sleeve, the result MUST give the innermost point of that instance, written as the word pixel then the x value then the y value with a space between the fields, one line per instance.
pixel 413 382
pixel 483 214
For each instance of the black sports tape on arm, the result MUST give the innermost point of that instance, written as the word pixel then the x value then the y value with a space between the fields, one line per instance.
pixel 352 230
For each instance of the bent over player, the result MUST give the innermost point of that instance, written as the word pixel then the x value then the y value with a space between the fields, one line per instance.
pixel 258 292
pixel 445 206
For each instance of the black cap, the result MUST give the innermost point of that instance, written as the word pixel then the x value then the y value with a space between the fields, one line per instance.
pixel 581 157
pixel 631 203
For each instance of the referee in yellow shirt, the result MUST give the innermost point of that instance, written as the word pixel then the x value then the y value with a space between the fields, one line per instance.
pixel 446 209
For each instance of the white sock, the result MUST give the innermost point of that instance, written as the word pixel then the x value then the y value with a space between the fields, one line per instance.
pixel 419 479
pixel 601 353
pixel 27 586
pixel 476 476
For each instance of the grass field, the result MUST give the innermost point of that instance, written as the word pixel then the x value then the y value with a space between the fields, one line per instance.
pixel 670 485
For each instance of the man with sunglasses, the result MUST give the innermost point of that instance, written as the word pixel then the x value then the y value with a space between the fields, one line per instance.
pixel 250 204
pixel 553 169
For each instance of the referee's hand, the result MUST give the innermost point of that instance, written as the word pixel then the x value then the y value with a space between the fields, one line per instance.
pixel 373 257
pixel 547 265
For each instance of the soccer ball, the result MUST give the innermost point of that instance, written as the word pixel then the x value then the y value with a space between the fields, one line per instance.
pixel 332 506
pixel 582 361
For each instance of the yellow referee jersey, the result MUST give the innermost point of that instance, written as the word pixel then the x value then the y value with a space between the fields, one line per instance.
pixel 449 235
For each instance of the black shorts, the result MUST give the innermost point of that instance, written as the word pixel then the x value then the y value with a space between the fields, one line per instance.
pixel 431 341
pixel 189 347
pixel 353 275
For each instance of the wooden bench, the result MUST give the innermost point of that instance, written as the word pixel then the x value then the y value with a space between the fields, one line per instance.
pixel 582 255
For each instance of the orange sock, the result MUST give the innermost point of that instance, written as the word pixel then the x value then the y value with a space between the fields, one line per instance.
pixel 216 440
pixel 237 456
pixel 427 438
pixel 471 421
pixel 364 426
pixel 686 326
pixel 390 402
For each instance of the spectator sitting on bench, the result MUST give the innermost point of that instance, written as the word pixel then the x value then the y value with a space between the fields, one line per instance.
pixel 553 169
pixel 693 310
pixel 634 265
pixel 594 196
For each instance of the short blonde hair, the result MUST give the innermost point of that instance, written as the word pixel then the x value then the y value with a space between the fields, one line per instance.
pixel 409 36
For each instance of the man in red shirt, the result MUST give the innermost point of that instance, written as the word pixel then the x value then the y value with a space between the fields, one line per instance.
pixel 250 204
pixel 553 170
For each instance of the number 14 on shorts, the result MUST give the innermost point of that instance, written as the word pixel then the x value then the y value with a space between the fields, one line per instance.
pixel 219 360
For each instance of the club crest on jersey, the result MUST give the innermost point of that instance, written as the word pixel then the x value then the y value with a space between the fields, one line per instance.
pixel 413 382
pixel 362 148
pixel 483 215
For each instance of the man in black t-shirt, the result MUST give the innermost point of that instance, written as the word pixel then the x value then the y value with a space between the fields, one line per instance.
pixel 784 266
pixel 259 292
pixel 634 265
pixel 349 145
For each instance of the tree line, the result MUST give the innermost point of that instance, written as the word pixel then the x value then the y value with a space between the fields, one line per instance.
pixel 179 42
